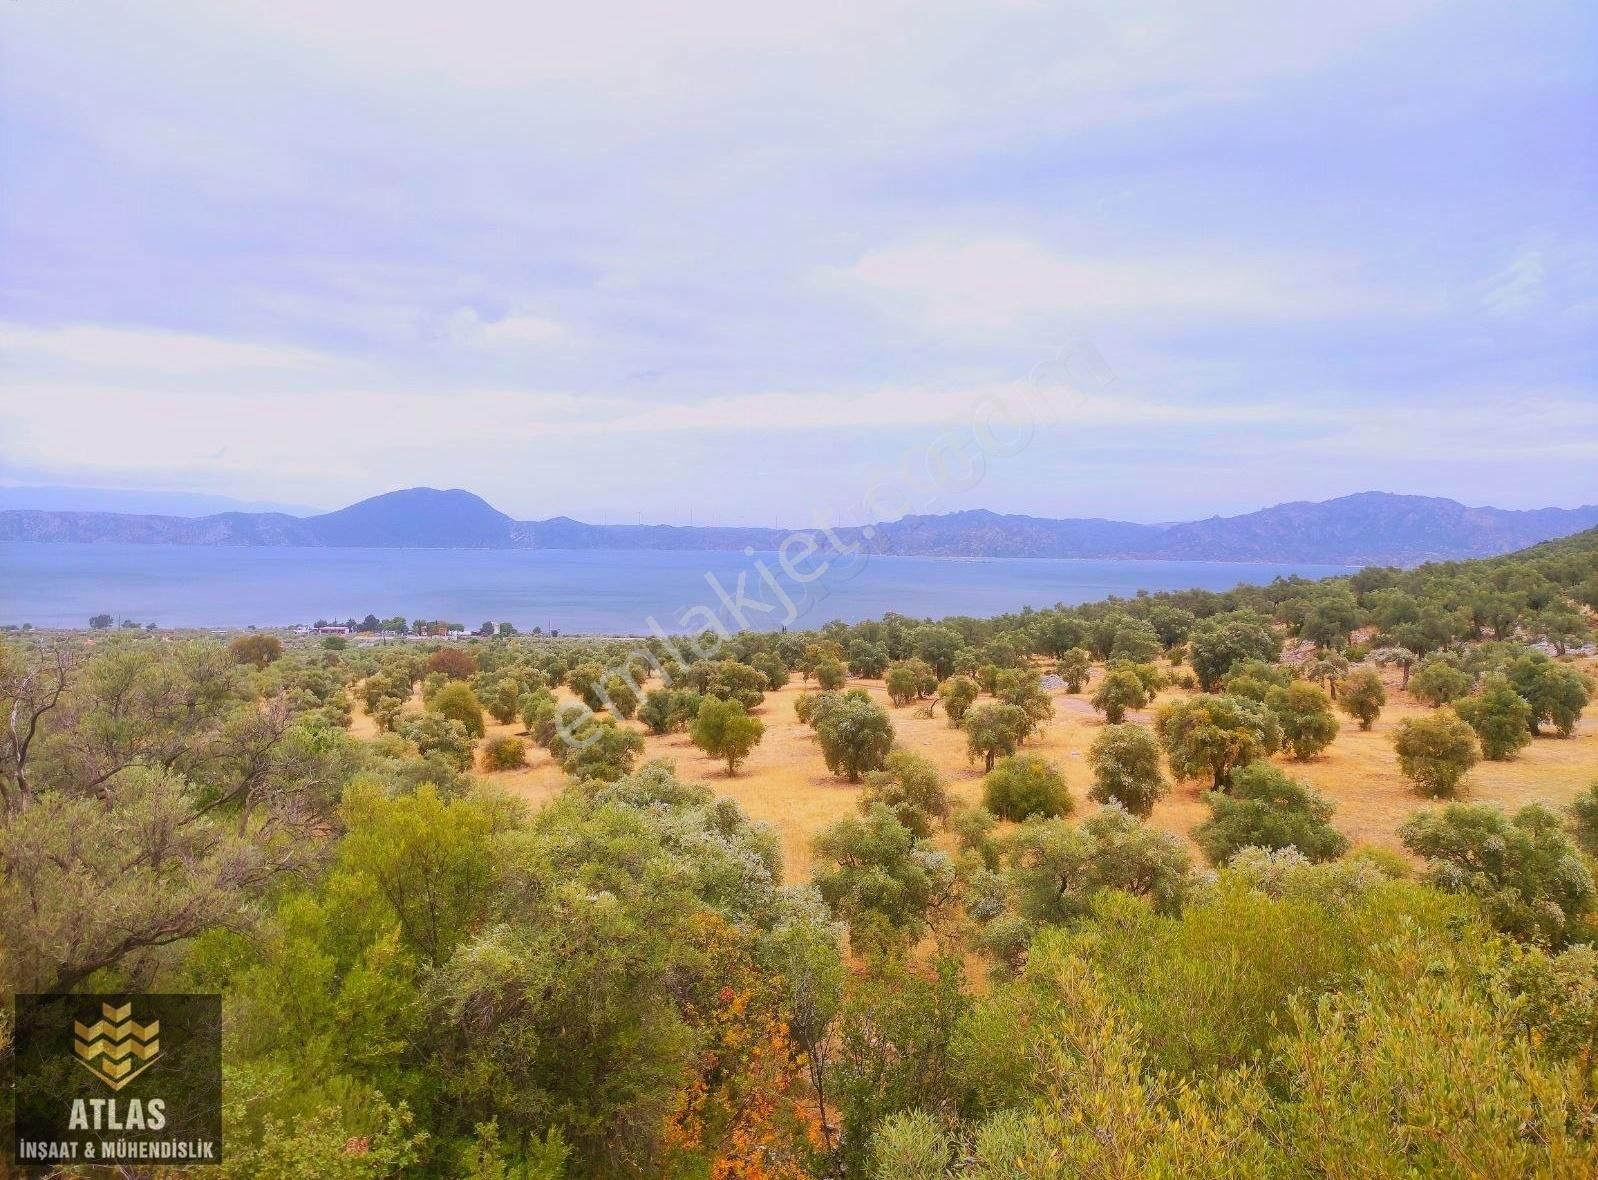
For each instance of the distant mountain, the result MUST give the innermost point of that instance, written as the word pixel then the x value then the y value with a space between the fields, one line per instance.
pixel 1371 528
pixel 1368 528
pixel 63 499
pixel 417 518
pixel 980 533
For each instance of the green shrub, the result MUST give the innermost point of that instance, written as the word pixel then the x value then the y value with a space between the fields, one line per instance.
pixel 504 753
pixel 1267 809
pixel 1305 714
pixel 1022 786
pixel 1126 768
pixel 1436 752
pixel 911 788
pixel 1525 870
pixel 1501 718
pixel 1361 695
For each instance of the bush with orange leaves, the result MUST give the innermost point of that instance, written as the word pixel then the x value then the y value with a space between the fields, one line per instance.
pixel 746 1112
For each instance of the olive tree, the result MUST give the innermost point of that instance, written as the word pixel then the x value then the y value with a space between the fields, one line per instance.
pixel 724 729
pixel 585 680
pixel 1216 735
pixel 1023 688
pixel 1126 768
pixel 880 879
pixel 457 702
pixel 909 786
pixel 1218 643
pixel 1022 786
pixel 1524 869
pixel 1326 668
pixel 504 753
pixel 433 733
pixel 830 674
pixel 1501 718
pixel 1584 819
pixel 937 645
pixel 1073 667
pixel 995 730
pixel 596 748
pixel 1362 697
pixel 1557 693
pixel 1305 713
pixel 1055 869
pixel 146 797
pixel 1436 752
pixel 1120 690
pixel 503 700
pixel 1439 680
pixel 902 683
pixel 770 665
pixel 958 694
pixel 259 650
pixel 1268 809
pixel 866 659
pixel 1400 657
pixel 855 736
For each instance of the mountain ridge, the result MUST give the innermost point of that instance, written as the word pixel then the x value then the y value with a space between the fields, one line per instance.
pixel 1358 529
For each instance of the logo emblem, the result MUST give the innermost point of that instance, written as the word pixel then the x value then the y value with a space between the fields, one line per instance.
pixel 114 1048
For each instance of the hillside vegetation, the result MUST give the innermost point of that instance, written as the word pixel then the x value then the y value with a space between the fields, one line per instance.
pixel 1295 880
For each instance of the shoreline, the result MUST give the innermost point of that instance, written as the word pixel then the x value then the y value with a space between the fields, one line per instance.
pixel 1350 565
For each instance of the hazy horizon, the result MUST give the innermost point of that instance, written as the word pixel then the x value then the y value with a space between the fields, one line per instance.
pixel 190 504
pixel 739 265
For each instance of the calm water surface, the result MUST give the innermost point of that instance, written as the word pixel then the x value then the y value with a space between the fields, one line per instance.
pixel 614 592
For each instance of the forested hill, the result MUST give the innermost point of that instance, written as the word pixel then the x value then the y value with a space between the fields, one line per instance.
pixel 1367 528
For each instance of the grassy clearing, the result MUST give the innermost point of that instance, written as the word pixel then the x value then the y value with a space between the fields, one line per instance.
pixel 785 783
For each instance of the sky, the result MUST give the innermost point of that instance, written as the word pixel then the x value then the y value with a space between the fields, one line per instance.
pixel 746 263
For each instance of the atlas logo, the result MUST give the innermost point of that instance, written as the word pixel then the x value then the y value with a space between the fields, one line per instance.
pixel 115 1048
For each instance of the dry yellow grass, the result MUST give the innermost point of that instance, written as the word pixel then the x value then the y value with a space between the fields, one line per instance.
pixel 786 784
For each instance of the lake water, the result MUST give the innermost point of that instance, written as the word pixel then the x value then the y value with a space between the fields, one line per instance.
pixel 592 591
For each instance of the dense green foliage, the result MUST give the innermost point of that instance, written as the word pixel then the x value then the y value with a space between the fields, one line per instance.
pixel 1304 711
pixel 1436 752
pixel 1524 868
pixel 1120 690
pixel 1270 810
pixel 1556 693
pixel 504 753
pixel 958 694
pixel 724 729
pixel 1023 786
pixel 910 787
pixel 1501 718
pixel 1126 768
pixel 995 731
pixel 855 736
pixel 1362 696
pixel 1073 668
pixel 1216 735
pixel 879 877
pixel 1439 681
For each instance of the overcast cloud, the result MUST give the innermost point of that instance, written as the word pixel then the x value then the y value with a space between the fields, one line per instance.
pixel 730 259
